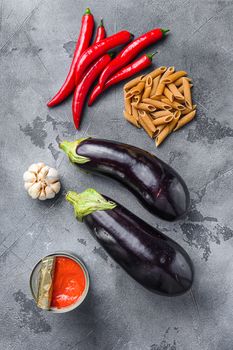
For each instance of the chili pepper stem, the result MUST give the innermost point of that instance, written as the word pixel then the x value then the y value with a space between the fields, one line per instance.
pixel 165 31
pixel 87 11
pixel 101 22
pixel 151 55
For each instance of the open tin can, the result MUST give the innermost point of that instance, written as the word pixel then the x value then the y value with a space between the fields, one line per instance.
pixel 34 281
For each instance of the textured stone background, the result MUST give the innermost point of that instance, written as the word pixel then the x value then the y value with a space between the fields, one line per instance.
pixel 36 43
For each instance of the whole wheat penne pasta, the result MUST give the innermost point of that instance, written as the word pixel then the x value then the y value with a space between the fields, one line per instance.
pixel 148 86
pixel 160 89
pixel 158 114
pixel 157 131
pixel 132 83
pixel 174 77
pixel 185 120
pixel 163 120
pixel 157 98
pixel 136 90
pixel 188 110
pixel 155 84
pixel 168 72
pixel 128 107
pixel 179 81
pixel 156 72
pixel 174 104
pixel 130 118
pixel 176 93
pixel 177 115
pixel 157 104
pixel 168 94
pixel 161 85
pixel 134 111
pixel 159 128
pixel 165 132
pixel 137 98
pixel 145 106
pixel 187 94
pixel 181 88
pixel 162 136
pixel 147 124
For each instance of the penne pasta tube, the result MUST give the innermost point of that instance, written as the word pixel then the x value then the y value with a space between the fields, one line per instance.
pixel 148 86
pixel 160 89
pixel 136 99
pixel 168 72
pixel 181 88
pixel 179 81
pixel 155 73
pixel 174 104
pixel 158 114
pixel 176 93
pixel 177 115
pixel 136 115
pixel 145 106
pixel 161 85
pixel 163 120
pixel 173 77
pixel 147 124
pixel 136 90
pixel 187 93
pixel 128 107
pixel 168 94
pixel 130 118
pixel 132 83
pixel 155 84
pixel 165 132
pixel 157 104
pixel 188 110
pixel 185 120
pixel 159 128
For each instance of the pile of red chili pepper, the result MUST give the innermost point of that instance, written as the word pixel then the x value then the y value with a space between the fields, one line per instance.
pixel 91 61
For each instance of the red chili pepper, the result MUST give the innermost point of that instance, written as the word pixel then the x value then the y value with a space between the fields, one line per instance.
pixel 99 49
pixel 131 51
pixel 101 33
pixel 83 87
pixel 83 42
pixel 126 72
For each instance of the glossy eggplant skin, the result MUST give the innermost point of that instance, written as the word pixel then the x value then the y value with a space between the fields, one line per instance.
pixel 157 186
pixel 151 258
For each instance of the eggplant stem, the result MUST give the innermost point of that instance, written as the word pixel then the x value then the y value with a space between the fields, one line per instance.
pixel 88 202
pixel 70 148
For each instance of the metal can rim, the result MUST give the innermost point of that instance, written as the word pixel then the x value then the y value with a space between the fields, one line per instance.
pixel 83 296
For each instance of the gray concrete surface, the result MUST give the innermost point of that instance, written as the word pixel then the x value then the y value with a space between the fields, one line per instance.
pixel 36 43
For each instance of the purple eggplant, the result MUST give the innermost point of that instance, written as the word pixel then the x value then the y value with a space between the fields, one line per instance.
pixel 151 258
pixel 158 187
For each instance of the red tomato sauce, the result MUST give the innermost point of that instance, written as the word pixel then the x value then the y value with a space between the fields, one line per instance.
pixel 68 282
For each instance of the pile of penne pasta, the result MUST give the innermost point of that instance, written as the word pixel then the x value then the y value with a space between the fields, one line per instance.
pixel 159 102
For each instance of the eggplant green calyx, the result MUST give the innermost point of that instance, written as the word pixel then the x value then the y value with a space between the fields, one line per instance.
pixel 88 202
pixel 70 148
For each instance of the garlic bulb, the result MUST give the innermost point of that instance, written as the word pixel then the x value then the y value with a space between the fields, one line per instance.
pixel 41 181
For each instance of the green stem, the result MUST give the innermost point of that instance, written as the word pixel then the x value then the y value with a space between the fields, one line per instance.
pixel 87 11
pixel 88 202
pixel 165 31
pixel 70 148
pixel 101 23
pixel 151 55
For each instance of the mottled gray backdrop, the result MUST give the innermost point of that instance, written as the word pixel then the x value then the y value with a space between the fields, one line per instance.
pixel 37 39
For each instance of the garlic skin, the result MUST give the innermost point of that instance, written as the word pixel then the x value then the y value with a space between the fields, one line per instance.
pixel 41 181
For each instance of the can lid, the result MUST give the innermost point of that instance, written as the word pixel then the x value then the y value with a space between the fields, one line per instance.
pixel 35 280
